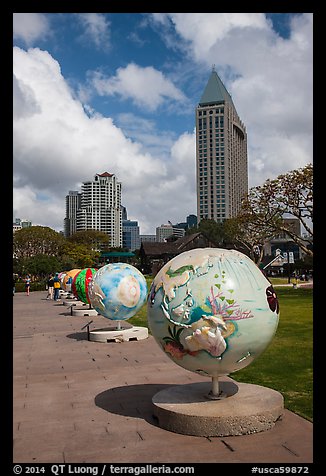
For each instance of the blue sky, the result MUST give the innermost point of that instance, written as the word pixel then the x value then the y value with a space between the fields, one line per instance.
pixel 117 92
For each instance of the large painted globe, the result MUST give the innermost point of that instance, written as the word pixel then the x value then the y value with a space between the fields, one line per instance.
pixel 212 311
pixel 67 278
pixel 118 291
pixel 81 282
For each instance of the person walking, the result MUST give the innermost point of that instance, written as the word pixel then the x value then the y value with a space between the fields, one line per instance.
pixel 50 285
pixel 57 286
pixel 13 284
pixel 27 284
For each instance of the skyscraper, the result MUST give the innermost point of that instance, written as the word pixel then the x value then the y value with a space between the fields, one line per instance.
pixel 221 154
pixel 130 235
pixel 100 207
pixel 72 205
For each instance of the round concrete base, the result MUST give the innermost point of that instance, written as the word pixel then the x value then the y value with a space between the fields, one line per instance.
pixel 248 408
pixel 85 311
pixel 112 334
pixel 73 302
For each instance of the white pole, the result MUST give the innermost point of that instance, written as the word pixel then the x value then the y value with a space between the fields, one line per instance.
pixel 215 387
pixel 119 325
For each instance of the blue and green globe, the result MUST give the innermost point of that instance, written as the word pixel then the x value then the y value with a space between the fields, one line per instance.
pixel 118 291
pixel 212 311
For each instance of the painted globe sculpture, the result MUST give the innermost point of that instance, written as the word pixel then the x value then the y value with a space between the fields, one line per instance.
pixel 81 282
pixel 117 291
pixel 67 279
pixel 212 311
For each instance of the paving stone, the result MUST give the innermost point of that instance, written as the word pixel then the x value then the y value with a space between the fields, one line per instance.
pixel 80 401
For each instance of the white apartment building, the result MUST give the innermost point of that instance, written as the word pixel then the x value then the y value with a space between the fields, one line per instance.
pixel 166 230
pixel 100 207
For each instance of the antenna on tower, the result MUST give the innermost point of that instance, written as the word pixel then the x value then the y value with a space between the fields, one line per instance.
pixel 213 68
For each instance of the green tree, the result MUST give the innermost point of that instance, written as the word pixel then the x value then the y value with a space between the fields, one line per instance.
pixel 264 208
pixel 213 230
pixel 75 255
pixel 40 250
pixel 96 240
pixel 37 240
pixel 244 235
pixel 41 265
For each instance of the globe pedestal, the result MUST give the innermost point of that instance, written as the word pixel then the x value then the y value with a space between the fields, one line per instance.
pixel 86 310
pixel 71 301
pixel 239 408
pixel 216 393
pixel 120 331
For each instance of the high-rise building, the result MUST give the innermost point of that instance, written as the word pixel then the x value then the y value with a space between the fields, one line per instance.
pixel 147 238
pixel 191 221
pixel 164 231
pixel 73 201
pixel 130 235
pixel 124 213
pixel 221 154
pixel 167 230
pixel 100 207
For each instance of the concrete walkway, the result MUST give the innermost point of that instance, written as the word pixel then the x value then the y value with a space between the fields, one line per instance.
pixel 77 401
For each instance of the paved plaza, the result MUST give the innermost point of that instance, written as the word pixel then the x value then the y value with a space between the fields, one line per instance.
pixel 77 401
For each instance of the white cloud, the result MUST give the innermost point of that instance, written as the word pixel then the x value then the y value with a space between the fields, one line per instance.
pixel 269 77
pixel 204 30
pixel 147 87
pixel 156 141
pixel 97 29
pixel 30 27
pixel 57 146
pixel 60 142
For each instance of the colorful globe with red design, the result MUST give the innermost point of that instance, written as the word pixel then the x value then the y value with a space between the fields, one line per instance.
pixel 80 284
pixel 67 277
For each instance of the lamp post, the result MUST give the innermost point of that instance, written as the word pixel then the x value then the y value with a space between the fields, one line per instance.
pixel 289 267
pixel 290 259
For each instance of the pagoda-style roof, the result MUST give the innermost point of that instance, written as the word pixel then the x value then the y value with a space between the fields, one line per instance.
pixel 105 174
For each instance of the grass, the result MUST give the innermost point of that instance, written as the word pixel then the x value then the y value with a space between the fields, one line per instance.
pixel 280 280
pixel 287 364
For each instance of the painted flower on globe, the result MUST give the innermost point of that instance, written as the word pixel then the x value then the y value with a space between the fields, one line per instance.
pixel 207 336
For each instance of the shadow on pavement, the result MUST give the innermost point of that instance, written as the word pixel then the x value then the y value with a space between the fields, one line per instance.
pixel 131 400
pixel 78 336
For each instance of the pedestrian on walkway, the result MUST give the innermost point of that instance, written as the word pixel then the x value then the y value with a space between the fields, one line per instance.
pixel 13 284
pixel 27 284
pixel 57 286
pixel 50 285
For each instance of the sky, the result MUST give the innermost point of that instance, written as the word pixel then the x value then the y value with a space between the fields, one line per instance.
pixel 117 92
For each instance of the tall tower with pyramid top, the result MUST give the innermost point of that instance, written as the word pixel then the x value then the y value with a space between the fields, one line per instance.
pixel 221 154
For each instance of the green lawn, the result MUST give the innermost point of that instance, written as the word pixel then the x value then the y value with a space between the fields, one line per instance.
pixel 286 365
